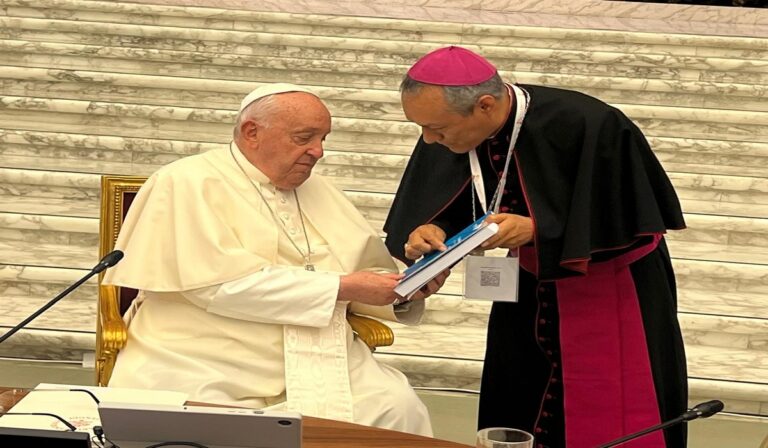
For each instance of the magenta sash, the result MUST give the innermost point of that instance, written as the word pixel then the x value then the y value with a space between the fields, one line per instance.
pixel 607 379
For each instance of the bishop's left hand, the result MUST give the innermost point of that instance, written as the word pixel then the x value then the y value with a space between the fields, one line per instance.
pixel 514 231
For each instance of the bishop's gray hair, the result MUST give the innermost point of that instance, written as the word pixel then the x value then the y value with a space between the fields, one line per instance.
pixel 259 111
pixel 461 99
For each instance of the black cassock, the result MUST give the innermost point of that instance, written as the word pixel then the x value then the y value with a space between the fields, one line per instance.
pixel 592 350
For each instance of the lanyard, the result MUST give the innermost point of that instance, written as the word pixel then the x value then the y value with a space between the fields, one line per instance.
pixel 521 101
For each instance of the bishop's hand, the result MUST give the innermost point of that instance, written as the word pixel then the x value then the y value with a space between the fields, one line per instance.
pixel 424 239
pixel 514 231
pixel 432 287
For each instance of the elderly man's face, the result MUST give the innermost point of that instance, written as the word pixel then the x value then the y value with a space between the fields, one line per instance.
pixel 440 123
pixel 287 149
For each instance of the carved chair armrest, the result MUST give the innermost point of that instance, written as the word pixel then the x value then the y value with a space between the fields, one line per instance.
pixel 371 331
pixel 112 334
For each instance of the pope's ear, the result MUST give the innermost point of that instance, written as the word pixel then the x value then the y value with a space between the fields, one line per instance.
pixel 249 130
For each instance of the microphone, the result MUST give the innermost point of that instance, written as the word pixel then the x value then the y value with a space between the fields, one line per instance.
pixel 108 261
pixel 701 410
pixel 704 410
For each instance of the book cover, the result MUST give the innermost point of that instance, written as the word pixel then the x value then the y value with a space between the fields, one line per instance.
pixel 433 263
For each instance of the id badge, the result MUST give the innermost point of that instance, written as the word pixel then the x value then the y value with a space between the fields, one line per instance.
pixel 491 278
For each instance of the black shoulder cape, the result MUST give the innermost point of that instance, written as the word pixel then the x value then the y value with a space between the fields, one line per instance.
pixel 591 181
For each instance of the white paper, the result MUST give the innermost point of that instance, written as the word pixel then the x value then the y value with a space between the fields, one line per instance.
pixel 78 408
pixel 491 278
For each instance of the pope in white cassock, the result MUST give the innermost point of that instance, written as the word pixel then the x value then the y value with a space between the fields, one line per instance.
pixel 246 265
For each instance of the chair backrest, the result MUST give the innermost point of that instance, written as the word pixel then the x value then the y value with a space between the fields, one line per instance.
pixel 117 194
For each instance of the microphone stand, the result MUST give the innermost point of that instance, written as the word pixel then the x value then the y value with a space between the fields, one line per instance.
pixel 109 260
pixel 667 424
pixel 702 410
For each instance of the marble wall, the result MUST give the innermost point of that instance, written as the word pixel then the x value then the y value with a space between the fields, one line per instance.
pixel 91 87
pixel 577 14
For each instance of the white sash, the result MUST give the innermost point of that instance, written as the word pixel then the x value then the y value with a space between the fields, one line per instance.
pixel 316 368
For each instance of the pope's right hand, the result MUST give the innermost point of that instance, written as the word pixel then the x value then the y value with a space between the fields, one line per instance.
pixel 369 287
pixel 423 240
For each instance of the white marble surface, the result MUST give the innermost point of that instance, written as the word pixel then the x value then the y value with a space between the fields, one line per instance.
pixel 76 314
pixel 424 371
pixel 576 14
pixel 48 345
pixel 111 87
pixel 39 283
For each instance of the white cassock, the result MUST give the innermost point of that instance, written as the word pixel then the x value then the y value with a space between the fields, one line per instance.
pixel 228 314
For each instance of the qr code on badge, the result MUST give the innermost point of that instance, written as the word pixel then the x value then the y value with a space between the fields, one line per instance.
pixel 490 278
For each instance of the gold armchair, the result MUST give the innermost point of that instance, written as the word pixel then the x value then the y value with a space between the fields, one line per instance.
pixel 117 193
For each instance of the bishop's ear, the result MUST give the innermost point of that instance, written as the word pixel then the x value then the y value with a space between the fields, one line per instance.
pixel 486 103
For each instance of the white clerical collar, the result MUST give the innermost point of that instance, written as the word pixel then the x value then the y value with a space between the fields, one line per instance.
pixel 250 170
pixel 509 112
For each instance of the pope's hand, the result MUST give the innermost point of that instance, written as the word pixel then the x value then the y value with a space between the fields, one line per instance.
pixel 423 240
pixel 514 231
pixel 369 287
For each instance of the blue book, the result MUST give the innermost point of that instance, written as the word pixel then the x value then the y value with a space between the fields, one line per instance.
pixel 433 263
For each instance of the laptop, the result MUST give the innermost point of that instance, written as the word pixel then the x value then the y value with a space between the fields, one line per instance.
pixel 140 425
